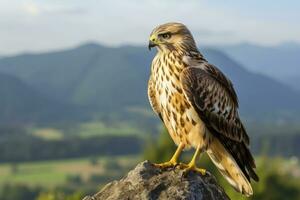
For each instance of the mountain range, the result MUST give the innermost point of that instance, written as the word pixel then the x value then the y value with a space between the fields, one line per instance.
pixel 21 103
pixel 281 62
pixel 91 79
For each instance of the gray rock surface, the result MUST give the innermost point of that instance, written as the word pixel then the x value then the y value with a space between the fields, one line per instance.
pixel 150 183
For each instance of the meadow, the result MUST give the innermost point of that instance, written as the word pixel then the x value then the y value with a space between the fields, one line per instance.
pixel 50 174
pixel 71 161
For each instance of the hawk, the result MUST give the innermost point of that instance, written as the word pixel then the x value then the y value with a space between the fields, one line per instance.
pixel 199 107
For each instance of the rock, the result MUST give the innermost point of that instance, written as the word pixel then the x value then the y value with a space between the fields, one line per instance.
pixel 147 182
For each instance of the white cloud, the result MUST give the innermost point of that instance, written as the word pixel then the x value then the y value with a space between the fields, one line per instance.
pixel 31 8
pixel 49 24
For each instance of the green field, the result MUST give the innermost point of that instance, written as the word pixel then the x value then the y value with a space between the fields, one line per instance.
pixel 86 130
pixel 54 173
pixel 91 129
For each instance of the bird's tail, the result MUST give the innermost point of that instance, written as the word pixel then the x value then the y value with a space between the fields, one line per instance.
pixel 235 163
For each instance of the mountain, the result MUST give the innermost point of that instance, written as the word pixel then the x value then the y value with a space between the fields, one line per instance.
pixel 19 104
pixel 281 62
pixel 93 75
pixel 110 80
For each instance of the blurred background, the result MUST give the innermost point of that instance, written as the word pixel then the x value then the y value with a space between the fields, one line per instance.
pixel 74 112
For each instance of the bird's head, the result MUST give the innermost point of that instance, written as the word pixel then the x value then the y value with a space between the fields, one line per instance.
pixel 171 36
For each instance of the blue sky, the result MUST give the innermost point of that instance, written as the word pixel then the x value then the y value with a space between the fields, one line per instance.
pixel 42 25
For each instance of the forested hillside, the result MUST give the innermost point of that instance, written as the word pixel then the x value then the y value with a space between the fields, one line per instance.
pixel 105 80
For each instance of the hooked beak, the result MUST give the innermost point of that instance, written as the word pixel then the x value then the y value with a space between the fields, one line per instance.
pixel 151 44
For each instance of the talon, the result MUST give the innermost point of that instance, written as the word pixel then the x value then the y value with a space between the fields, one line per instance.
pixel 182 165
pixel 174 167
pixel 183 175
pixel 191 167
pixel 192 164
pixel 201 171
pixel 166 165
pixel 173 162
pixel 195 169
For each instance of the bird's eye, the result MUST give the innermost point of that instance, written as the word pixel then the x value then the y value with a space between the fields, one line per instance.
pixel 166 35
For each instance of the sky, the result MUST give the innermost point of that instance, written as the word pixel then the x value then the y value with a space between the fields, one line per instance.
pixel 44 25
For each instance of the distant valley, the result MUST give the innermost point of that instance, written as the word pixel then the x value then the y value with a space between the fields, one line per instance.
pixel 281 62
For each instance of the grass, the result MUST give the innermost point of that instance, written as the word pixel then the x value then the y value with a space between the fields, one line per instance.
pixel 48 133
pixel 86 130
pixel 58 172
pixel 54 173
pixel 97 128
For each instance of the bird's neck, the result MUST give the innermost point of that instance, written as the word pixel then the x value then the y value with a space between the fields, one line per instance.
pixel 171 60
pixel 177 57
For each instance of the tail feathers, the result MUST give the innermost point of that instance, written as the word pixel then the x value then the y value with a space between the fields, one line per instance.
pixel 247 161
pixel 237 172
pixel 242 156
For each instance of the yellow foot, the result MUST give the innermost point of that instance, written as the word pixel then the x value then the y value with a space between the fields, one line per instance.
pixel 165 165
pixel 191 167
pixel 170 164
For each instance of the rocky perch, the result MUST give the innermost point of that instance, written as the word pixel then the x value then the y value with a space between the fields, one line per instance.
pixel 150 183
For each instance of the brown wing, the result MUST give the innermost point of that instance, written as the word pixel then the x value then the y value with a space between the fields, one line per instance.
pixel 221 78
pixel 213 97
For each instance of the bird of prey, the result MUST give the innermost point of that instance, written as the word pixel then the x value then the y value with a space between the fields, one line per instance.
pixel 199 107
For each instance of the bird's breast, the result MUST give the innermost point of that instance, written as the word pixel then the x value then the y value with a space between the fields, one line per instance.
pixel 180 118
pixel 167 81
